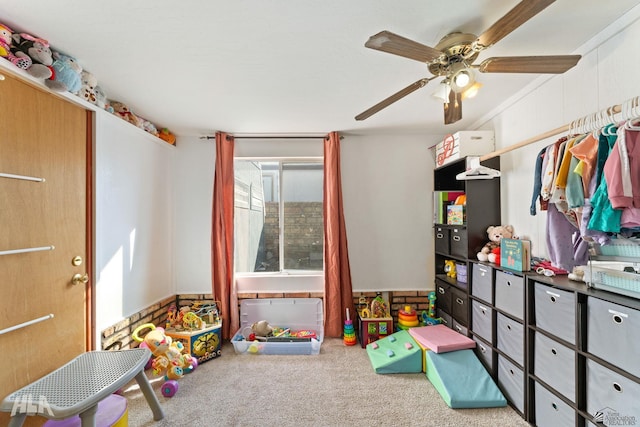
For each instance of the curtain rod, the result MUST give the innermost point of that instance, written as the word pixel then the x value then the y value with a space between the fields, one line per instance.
pixel 270 137
pixel 562 129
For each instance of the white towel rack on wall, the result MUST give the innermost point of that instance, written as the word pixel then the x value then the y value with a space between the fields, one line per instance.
pixel 30 322
pixel 21 251
pixel 23 177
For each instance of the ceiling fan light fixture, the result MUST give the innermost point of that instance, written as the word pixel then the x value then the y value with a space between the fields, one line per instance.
pixel 443 91
pixel 462 77
pixel 471 91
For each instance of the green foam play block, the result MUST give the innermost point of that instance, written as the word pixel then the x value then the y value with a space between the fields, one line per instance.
pixel 462 380
pixel 398 353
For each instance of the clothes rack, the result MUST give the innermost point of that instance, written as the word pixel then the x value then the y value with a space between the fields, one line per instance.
pixel 615 109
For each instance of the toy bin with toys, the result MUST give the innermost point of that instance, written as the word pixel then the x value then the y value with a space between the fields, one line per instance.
pixel 280 326
pixel 198 328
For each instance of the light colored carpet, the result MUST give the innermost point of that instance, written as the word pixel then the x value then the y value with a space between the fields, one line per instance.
pixel 338 387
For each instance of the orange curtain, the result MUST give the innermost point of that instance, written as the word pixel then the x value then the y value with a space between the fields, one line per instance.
pixel 223 283
pixel 338 295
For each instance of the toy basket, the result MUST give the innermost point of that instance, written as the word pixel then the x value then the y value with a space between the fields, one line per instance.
pixel 619 247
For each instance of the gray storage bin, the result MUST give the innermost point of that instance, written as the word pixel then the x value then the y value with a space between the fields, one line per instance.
pixel 611 395
pixel 613 334
pixel 482 320
pixel 511 338
pixel 555 364
pixel 442 239
pixel 443 296
pixel 460 305
pixel 555 311
pixel 445 318
pixel 482 282
pixel 509 293
pixel 458 245
pixel 551 411
pixel 511 382
pixel 460 328
pixel 485 353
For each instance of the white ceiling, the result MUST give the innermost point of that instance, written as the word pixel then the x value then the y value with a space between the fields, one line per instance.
pixel 284 67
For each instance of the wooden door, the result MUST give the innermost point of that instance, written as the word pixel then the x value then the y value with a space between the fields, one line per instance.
pixel 45 137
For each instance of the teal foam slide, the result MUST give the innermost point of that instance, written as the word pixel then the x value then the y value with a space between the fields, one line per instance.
pixel 398 353
pixel 462 380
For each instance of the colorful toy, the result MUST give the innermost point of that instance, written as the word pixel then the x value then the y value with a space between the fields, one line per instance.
pixel 349 331
pixel 363 307
pixel 19 59
pixel 379 307
pixel 450 268
pixel 495 234
pixel 432 304
pixel 407 318
pixel 166 135
pixel 169 357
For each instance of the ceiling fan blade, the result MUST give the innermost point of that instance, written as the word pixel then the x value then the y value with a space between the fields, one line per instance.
pixel 517 16
pixel 393 98
pixel 398 45
pixel 557 64
pixel 453 109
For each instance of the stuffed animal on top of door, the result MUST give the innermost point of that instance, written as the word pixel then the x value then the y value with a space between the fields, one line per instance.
pixel 38 51
pixel 495 234
pixel 67 74
pixel 20 60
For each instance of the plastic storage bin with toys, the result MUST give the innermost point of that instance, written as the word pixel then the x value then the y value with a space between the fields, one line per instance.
pixel 280 326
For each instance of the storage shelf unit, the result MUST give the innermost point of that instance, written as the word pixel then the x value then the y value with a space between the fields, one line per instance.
pixel 461 242
pixel 579 348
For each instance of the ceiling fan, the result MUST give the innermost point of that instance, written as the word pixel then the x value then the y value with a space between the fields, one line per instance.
pixel 452 58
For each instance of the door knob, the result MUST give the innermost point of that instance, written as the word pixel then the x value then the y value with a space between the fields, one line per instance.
pixel 79 278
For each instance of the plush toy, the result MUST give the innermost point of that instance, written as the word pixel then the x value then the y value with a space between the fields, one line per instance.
pixel 166 135
pixel 122 111
pixel 495 233
pixel 450 268
pixel 149 127
pixel 20 59
pixel 261 328
pixel 88 89
pixel 102 101
pixel 169 357
pixel 38 52
pixel 66 74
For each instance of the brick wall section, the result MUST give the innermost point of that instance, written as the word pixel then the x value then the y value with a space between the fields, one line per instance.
pixel 119 336
pixel 417 300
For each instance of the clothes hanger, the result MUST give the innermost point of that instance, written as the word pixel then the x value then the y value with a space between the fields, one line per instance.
pixel 476 171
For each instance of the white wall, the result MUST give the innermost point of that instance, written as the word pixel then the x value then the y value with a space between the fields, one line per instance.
pixel 133 174
pixel 608 74
pixel 387 179
pixel 387 182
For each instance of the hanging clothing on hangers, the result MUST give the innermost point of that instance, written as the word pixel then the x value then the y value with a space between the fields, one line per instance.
pixel 603 216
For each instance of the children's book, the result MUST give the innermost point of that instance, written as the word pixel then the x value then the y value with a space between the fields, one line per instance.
pixel 515 254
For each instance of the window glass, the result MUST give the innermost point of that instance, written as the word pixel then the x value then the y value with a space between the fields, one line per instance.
pixel 278 216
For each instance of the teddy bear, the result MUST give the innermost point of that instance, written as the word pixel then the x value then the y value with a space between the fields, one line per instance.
pixel 66 74
pixel 121 110
pixel 88 89
pixel 495 234
pixel 20 59
pixel 38 51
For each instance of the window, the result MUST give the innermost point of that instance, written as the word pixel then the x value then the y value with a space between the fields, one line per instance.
pixel 278 216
